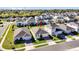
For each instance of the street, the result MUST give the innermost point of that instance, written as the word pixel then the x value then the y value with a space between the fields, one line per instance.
pixel 60 46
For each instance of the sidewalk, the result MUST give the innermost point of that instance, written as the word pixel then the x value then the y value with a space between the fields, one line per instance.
pixel 68 39
pixel 76 37
pixel 50 42
pixel 29 46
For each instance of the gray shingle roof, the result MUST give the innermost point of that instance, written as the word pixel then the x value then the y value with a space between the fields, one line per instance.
pixel 21 32
pixel 41 31
pixel 37 30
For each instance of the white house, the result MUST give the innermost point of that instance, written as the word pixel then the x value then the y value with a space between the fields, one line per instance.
pixel 52 29
pixel 74 26
pixel 67 19
pixel 65 28
pixel 32 20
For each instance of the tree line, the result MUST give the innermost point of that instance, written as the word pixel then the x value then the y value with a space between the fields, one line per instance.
pixel 27 13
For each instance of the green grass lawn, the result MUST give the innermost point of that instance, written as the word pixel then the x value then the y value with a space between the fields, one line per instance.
pixel 39 41
pixel 60 41
pixel 15 27
pixel 57 40
pixel 20 49
pixel 77 34
pixel 9 41
pixel 41 45
pixel 0 39
pixel 69 36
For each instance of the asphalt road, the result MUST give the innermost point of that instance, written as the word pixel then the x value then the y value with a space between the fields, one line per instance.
pixel 59 47
pixel 2 29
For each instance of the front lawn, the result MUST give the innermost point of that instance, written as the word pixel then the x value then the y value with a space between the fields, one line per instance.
pixel 0 39
pixel 39 41
pixel 9 41
pixel 41 45
pixel 77 34
pixel 57 40
pixel 69 36
pixel 60 41
pixel 20 49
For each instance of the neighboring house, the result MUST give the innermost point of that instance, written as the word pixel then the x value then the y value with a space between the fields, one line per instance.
pixel 11 19
pixel 41 19
pixel 20 23
pixel 24 18
pixel 66 19
pixel 65 28
pixel 23 33
pixel 58 19
pixel 56 29
pixel 53 29
pixel 73 26
pixel 38 32
pixel 31 21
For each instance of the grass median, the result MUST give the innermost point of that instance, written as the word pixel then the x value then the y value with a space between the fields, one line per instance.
pixel 41 45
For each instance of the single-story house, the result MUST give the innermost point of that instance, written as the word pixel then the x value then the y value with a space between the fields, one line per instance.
pixel 22 33
pixel 67 19
pixel 31 21
pixel 53 29
pixel 38 32
pixel 65 28
pixel 21 23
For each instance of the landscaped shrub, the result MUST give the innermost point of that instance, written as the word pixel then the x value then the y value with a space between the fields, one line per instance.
pixel 19 41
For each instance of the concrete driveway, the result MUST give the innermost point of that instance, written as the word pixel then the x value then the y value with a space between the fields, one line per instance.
pixel 50 42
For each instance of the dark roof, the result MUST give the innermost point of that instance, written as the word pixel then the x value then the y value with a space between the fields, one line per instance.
pixel 22 32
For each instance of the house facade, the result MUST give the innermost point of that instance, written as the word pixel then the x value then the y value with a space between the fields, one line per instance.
pixel 22 33
pixel 73 26
pixel 38 32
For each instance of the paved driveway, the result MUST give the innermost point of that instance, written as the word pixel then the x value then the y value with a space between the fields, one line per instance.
pixel 29 46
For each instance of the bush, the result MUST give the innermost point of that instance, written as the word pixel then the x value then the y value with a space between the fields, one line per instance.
pixel 19 41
